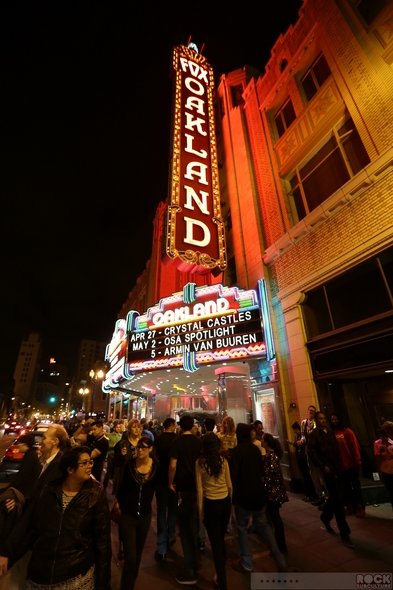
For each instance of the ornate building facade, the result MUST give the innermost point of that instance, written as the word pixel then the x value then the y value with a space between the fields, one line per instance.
pixel 305 163
pixel 309 167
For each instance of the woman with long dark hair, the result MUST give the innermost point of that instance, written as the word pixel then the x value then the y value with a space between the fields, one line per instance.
pixel 276 493
pixel 214 492
pixel 135 495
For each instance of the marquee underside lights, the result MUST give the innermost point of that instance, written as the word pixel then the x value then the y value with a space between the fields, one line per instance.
pixel 195 239
pixel 197 326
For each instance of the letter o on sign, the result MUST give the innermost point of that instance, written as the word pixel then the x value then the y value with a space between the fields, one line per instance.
pixel 198 88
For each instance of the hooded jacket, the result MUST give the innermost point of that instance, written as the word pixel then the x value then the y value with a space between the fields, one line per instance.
pixel 67 544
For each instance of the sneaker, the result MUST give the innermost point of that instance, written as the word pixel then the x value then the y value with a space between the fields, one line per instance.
pixel 159 556
pixel 348 543
pixel 360 513
pixel 201 546
pixel 326 523
pixel 239 567
pixel 188 578
pixel 318 502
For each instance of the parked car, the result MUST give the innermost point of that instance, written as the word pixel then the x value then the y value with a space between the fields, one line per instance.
pixel 10 462
pixel 13 427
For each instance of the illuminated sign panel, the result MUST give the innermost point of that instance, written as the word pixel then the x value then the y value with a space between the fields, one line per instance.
pixel 196 326
pixel 199 325
pixel 116 354
pixel 195 240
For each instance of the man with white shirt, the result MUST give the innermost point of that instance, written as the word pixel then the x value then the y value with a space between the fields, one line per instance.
pixel 54 439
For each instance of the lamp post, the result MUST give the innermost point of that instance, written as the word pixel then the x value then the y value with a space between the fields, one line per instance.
pixel 83 391
pixel 95 375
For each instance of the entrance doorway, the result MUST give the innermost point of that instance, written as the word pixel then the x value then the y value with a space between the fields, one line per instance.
pixel 364 403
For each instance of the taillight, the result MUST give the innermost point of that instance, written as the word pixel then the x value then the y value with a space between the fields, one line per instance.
pixel 22 431
pixel 9 454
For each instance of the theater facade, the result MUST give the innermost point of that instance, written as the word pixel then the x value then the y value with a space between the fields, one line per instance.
pixel 189 339
pixel 281 194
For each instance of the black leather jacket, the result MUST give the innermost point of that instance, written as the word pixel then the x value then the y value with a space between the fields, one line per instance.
pixel 66 544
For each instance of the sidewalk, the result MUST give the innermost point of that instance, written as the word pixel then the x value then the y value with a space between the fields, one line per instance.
pixel 310 549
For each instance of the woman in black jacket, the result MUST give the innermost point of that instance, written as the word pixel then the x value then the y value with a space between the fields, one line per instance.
pixel 69 532
pixel 135 495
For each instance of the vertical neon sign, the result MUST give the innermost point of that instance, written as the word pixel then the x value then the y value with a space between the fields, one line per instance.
pixel 195 239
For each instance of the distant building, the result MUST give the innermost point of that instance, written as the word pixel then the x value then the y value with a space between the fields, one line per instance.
pixel 90 355
pixel 27 368
pixel 51 392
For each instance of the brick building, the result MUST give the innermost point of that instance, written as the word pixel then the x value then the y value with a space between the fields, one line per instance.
pixel 306 176
pixel 309 163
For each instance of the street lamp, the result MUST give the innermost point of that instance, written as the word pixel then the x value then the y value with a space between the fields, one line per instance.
pixel 94 376
pixel 83 391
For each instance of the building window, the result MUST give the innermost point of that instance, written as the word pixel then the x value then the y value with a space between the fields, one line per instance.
pixel 283 64
pixel 237 92
pixel 315 76
pixel 331 306
pixel 337 160
pixel 284 117
pixel 369 9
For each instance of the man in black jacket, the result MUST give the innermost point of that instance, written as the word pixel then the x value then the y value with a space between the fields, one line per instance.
pixel 323 451
pixel 249 499
pixel 166 498
pixel 185 450
pixel 53 440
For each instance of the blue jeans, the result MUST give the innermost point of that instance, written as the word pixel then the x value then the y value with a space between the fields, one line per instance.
pixel 187 520
pixel 166 517
pixel 260 518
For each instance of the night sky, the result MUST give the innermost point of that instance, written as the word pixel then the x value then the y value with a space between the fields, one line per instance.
pixel 86 109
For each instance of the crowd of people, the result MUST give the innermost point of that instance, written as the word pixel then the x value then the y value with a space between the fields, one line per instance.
pixel 203 478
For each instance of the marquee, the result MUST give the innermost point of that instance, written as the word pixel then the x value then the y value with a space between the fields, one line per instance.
pixel 188 329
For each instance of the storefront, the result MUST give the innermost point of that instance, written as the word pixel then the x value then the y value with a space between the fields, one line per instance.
pixel 349 321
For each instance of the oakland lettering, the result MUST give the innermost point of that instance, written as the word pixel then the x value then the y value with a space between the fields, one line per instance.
pixel 197 170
